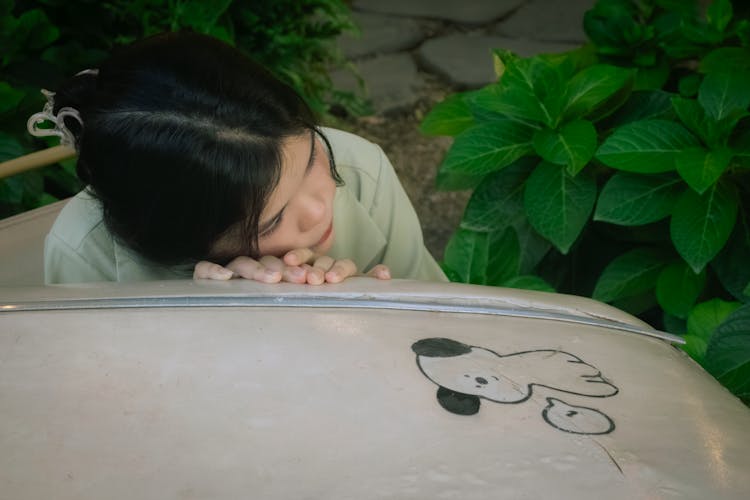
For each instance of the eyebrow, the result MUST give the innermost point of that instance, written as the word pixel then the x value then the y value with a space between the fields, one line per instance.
pixel 267 225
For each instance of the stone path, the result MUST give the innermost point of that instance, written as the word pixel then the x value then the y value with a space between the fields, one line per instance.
pixel 402 41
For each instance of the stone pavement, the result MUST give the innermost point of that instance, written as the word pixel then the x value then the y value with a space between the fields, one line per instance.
pixel 404 42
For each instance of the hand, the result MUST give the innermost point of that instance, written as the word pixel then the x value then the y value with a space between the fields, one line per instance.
pixel 298 266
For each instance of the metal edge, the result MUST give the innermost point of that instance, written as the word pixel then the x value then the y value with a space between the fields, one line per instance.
pixel 318 302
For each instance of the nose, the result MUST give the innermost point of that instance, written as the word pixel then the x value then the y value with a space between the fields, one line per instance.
pixel 312 212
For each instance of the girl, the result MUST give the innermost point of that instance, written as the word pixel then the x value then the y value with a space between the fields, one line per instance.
pixel 199 162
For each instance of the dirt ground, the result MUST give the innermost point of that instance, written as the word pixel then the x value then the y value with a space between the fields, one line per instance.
pixel 416 158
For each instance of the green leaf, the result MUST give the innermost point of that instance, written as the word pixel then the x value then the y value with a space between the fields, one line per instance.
pixel 9 97
pixel 678 287
pixel 466 254
pixel 648 146
pixel 701 224
pixel 633 200
pixel 35 28
pixel 700 168
pixel 503 256
pixel 643 105
pixel 557 204
pixel 731 266
pixel 497 202
pixel 693 116
pixel 529 282
pixel 22 189
pixel 651 77
pixel 673 324
pixel 11 190
pixel 202 14
pixel 10 147
pixel 483 258
pixel 452 275
pixel 740 145
pixel 742 32
pixel 738 382
pixel 637 304
pixel 719 13
pixel 631 274
pixel 726 57
pixel 700 33
pixel 713 133
pixel 688 85
pixel 726 93
pixel 613 28
pixel 449 117
pixel 524 89
pixel 486 148
pixel 702 321
pixel 592 86
pixel 573 145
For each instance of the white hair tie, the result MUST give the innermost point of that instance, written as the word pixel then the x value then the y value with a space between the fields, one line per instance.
pixel 47 114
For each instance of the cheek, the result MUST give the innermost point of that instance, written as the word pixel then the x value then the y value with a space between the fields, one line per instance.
pixel 276 244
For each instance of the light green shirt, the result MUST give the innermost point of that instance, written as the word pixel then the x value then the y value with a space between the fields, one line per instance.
pixel 374 223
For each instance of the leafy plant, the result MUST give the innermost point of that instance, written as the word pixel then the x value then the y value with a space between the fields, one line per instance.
pixel 593 177
pixel 45 41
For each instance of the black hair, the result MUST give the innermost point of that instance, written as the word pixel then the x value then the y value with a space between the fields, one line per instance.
pixel 181 143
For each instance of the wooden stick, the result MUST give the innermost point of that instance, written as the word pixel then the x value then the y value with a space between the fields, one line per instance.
pixel 35 160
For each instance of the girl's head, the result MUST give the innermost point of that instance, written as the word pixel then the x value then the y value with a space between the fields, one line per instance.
pixel 194 150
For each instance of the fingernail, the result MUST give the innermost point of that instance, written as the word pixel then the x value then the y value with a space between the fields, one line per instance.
pixel 226 274
pixel 298 272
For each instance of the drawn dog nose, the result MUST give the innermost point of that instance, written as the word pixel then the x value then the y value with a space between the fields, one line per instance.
pixel 481 380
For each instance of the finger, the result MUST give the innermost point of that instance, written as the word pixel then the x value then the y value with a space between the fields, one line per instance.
pixel 341 270
pixel 315 275
pixel 251 269
pixel 290 274
pixel 271 262
pixel 294 274
pixel 211 271
pixel 324 263
pixel 380 272
pixel 298 256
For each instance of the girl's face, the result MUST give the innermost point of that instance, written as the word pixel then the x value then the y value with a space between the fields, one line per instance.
pixel 299 212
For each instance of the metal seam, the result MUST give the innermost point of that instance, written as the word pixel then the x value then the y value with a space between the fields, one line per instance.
pixel 187 301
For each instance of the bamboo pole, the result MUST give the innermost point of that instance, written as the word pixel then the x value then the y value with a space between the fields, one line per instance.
pixel 35 160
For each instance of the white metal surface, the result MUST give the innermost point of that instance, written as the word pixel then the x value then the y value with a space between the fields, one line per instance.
pixel 330 403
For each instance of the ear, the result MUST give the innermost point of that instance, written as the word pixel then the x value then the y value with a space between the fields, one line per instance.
pixel 457 402
pixel 439 348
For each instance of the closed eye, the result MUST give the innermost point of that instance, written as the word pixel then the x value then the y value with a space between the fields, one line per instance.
pixel 276 221
pixel 274 225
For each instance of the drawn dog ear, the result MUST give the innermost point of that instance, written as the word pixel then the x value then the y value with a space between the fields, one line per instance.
pixel 440 348
pixel 458 402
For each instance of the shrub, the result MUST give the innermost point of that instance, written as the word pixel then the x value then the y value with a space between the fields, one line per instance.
pixel 42 42
pixel 620 170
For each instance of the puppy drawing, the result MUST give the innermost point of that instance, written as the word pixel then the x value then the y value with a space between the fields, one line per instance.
pixel 467 374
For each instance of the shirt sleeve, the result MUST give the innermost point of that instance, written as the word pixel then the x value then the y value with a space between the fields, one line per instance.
pixel 405 253
pixel 63 264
